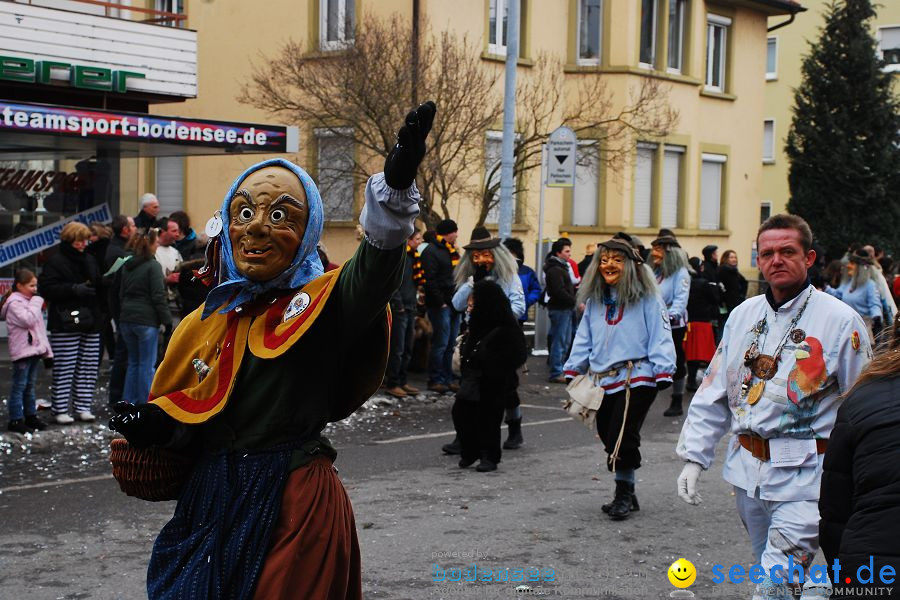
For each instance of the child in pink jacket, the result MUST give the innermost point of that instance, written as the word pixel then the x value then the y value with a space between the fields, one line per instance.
pixel 28 344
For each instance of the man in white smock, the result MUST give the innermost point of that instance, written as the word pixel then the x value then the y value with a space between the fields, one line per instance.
pixel 776 382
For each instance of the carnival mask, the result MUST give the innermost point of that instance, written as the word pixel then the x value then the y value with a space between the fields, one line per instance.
pixel 657 252
pixel 612 264
pixel 268 217
pixel 483 258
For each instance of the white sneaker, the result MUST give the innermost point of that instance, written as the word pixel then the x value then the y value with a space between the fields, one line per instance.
pixel 64 419
pixel 86 416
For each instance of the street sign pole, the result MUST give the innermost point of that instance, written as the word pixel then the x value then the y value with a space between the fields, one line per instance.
pixel 541 324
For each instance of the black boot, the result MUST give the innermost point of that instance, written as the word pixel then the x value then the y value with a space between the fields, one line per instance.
pixel 634 502
pixel 453 447
pixel 32 422
pixel 18 426
pixel 621 504
pixel 674 409
pixel 514 440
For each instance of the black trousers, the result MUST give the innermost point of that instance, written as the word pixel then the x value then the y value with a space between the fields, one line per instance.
pixel 478 429
pixel 680 365
pixel 609 422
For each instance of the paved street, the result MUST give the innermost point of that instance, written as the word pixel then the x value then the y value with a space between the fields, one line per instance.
pixel 68 532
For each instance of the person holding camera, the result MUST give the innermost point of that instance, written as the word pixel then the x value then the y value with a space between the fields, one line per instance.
pixel 69 283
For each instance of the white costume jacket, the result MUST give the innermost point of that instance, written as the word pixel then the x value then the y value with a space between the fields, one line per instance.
pixel 609 336
pixel 800 401
pixel 675 291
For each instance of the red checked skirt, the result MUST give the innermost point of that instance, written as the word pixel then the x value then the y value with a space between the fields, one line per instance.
pixel 314 552
pixel 699 342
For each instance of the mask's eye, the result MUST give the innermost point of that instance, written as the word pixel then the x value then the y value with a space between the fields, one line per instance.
pixel 278 215
pixel 245 215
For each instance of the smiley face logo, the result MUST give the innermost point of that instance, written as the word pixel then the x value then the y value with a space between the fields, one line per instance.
pixel 682 573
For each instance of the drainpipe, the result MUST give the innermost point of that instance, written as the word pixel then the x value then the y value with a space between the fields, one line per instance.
pixel 414 79
pixel 780 25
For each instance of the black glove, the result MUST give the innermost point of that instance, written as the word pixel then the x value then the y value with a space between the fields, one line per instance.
pixel 663 385
pixel 143 425
pixel 876 324
pixel 48 363
pixel 84 290
pixel 403 161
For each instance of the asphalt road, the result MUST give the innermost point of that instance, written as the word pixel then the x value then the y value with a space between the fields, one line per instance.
pixel 68 532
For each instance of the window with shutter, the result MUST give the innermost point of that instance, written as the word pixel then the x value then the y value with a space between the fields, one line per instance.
pixel 587 186
pixel 335 176
pixel 889 47
pixel 671 200
pixel 643 185
pixel 772 58
pixel 711 191
pixel 170 184
pixel 769 141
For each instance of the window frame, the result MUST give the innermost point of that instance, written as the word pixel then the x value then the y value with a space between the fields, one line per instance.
pixel 888 68
pixel 770 159
pixel 682 35
pixel 588 61
pixel 714 22
pixel 654 36
pixel 325 44
pixel 772 75
pixel 721 159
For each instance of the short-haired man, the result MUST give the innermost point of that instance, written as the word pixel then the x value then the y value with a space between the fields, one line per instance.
pixel 149 212
pixel 776 382
pixel 170 259
pixel 560 301
pixel 438 261
pixel 123 228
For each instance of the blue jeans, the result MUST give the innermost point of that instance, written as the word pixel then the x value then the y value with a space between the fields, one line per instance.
pixel 21 397
pixel 141 342
pixel 402 330
pixel 445 323
pixel 560 339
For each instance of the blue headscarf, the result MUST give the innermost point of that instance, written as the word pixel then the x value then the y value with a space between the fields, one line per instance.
pixel 305 267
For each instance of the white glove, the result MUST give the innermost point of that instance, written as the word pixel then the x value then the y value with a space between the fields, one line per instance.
pixel 687 483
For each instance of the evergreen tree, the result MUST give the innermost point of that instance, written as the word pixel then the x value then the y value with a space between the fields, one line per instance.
pixel 843 144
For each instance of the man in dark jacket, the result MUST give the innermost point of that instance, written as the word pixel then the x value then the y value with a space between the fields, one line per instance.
pixel 438 261
pixel 710 268
pixel 123 228
pixel 149 212
pixel 403 313
pixel 560 300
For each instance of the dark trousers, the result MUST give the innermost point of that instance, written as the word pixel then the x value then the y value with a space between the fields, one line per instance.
pixel 402 332
pixel 680 365
pixel 119 370
pixel 478 429
pixel 609 422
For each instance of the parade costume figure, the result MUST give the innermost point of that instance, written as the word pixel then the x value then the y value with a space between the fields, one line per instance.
pixel 487 258
pixel 493 349
pixel 624 340
pixel 859 290
pixel 776 382
pixel 673 274
pixel 248 384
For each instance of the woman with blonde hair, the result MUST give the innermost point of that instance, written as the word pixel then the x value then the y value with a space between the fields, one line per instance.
pixel 624 341
pixel 69 283
pixel 861 478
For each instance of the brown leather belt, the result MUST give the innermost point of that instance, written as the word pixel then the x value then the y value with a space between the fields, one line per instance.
pixel 759 446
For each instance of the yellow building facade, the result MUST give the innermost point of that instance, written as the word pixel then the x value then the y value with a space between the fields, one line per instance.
pixel 704 180
pixel 786 49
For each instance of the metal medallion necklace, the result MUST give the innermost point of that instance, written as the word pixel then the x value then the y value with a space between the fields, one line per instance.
pixel 764 366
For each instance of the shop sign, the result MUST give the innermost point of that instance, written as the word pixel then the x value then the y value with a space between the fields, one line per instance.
pixel 48 236
pixel 26 70
pixel 38 180
pixel 34 118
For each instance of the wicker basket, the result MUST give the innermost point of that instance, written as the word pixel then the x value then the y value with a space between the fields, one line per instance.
pixel 150 474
